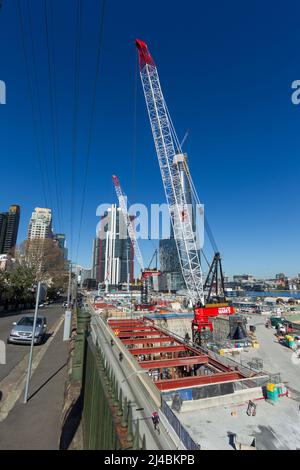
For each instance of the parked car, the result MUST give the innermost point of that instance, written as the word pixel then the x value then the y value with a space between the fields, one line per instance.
pixel 21 333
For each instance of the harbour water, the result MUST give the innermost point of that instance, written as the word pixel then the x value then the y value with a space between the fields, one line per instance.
pixel 294 294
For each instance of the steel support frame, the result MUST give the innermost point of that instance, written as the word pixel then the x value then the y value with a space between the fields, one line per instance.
pixel 171 384
pixel 176 362
pixel 141 334
pixel 159 350
pixel 166 339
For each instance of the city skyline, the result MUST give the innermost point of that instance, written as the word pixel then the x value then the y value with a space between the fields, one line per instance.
pixel 89 264
pixel 237 105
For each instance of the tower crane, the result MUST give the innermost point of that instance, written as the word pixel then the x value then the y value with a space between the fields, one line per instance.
pixel 146 273
pixel 173 164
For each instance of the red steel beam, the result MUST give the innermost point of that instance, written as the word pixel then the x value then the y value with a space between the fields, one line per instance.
pixel 166 339
pixel 117 324
pixel 171 384
pixel 178 361
pixel 146 334
pixel 125 329
pixel 161 349
pixel 126 322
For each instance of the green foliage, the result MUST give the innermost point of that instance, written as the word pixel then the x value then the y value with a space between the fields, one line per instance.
pixel 20 284
pixel 31 264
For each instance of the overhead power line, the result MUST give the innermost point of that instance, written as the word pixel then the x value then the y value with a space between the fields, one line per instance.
pixel 75 115
pixel 53 114
pixel 31 99
pixel 92 120
pixel 39 112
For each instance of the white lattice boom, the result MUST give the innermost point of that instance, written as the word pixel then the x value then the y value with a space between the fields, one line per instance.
pixel 166 143
pixel 131 232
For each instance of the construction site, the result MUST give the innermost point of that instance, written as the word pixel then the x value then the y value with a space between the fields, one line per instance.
pixel 212 366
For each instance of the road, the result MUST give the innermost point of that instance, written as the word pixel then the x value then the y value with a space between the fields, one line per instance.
pixel 35 425
pixel 15 353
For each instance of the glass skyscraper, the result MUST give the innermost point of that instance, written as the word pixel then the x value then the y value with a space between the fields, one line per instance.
pixel 9 225
pixel 113 254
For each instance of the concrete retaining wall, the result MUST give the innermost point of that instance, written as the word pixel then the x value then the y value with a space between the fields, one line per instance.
pixel 178 326
pixel 231 399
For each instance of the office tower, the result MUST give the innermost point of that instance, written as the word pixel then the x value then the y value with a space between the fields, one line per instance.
pixel 40 225
pixel 81 273
pixel 113 255
pixel 171 278
pixel 9 225
pixel 60 239
pixel 3 222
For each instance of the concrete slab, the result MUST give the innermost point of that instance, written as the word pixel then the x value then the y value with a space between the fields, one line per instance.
pixel 273 427
pixel 276 357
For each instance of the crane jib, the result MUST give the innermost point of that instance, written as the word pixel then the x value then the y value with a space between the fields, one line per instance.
pixel 167 149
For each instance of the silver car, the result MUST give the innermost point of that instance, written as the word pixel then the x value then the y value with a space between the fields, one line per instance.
pixel 23 329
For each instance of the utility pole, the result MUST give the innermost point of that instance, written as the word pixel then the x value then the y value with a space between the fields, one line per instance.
pixel 32 341
pixel 69 286
pixel 68 312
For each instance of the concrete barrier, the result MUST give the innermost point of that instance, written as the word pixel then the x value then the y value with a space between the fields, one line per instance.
pixel 230 399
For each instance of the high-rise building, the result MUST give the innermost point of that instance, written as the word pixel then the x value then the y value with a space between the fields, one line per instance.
pixel 81 273
pixel 113 254
pixel 171 278
pixel 60 239
pixel 40 225
pixel 9 225
pixel 3 223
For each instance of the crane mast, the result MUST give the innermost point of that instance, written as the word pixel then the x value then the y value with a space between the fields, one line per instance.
pixel 148 272
pixel 170 160
pixel 131 232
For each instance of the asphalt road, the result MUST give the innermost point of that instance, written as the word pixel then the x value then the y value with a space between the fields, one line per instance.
pixel 36 425
pixel 15 353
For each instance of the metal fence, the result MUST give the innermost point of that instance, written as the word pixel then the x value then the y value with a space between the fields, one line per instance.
pixel 180 430
pixel 107 413
pixel 98 423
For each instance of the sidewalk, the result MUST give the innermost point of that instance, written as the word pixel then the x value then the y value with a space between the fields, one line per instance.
pixel 37 425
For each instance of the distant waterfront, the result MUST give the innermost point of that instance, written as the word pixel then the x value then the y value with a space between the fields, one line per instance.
pixel 294 294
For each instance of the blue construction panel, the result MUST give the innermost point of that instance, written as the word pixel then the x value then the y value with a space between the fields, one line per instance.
pixel 170 316
pixel 185 393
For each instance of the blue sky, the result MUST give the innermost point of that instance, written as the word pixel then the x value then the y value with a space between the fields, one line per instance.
pixel 226 70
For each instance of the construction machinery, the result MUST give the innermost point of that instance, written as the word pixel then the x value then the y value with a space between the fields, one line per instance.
pixel 207 298
pixel 146 273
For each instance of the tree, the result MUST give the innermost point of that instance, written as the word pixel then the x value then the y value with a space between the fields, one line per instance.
pixel 34 261
pixel 3 286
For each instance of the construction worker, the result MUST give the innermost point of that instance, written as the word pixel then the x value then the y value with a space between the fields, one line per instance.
pixel 155 420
